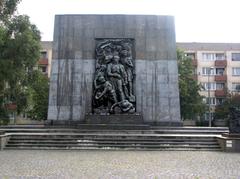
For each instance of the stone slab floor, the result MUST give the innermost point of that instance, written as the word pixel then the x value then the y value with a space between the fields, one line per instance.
pixel 118 164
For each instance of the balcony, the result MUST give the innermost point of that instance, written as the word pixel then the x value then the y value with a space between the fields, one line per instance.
pixel 219 78
pixel 194 62
pixel 220 93
pixel 43 61
pixel 11 106
pixel 221 63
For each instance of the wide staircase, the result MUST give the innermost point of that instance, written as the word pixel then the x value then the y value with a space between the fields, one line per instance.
pixel 148 138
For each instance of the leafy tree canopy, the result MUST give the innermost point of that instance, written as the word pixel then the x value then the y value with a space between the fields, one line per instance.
pixel 191 103
pixel 222 111
pixel 19 47
pixel 38 98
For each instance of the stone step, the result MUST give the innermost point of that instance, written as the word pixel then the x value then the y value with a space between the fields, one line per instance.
pixel 189 131
pixel 114 126
pixel 112 136
pixel 115 145
pixel 113 149
pixel 23 138
pixel 159 131
pixel 19 142
pixel 189 128
pixel 161 138
pixel 39 130
pixel 22 126
pixel 72 127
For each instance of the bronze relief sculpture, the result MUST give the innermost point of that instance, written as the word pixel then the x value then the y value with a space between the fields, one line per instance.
pixel 113 90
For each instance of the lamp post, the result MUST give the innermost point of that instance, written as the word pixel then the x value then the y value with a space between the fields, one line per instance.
pixel 209 105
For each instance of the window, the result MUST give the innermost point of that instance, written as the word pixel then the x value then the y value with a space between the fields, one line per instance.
pixel 219 101
pixel 210 86
pixel 43 54
pixel 212 101
pixel 190 55
pixel 220 86
pixel 235 56
pixel 208 56
pixel 235 71
pixel 195 71
pixel 220 56
pixel 219 71
pixel 213 56
pixel 207 70
pixel 236 86
pixel 43 69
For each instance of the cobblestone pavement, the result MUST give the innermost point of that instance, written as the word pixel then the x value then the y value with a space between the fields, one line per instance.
pixel 118 164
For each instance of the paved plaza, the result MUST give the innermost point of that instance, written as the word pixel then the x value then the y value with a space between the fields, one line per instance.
pixel 118 164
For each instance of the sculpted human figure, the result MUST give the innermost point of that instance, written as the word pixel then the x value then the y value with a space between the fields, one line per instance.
pixel 108 55
pixel 124 105
pixel 104 91
pixel 126 60
pixel 103 55
pixel 117 76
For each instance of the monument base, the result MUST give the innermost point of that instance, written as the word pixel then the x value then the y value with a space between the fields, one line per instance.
pixel 166 124
pixel 114 119
pixel 118 119
pixel 63 123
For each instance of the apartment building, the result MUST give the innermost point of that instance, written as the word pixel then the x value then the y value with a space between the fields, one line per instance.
pixel 217 69
pixel 45 61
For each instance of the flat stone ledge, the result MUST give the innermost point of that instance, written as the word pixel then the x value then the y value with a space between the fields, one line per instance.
pixel 167 123
pixel 229 142
pixel 114 119
pixel 62 123
pixel 114 127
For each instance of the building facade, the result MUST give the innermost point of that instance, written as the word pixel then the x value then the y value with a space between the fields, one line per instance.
pixel 217 69
pixel 45 61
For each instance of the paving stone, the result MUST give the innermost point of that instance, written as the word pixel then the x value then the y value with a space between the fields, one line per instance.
pixel 118 164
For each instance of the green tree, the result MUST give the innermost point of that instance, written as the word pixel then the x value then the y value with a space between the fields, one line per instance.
pixel 38 96
pixel 222 110
pixel 19 47
pixel 191 103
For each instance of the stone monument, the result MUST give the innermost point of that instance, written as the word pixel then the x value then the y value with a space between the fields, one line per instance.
pixel 108 65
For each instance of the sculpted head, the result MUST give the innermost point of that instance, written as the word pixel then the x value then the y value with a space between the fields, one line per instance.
pixel 101 79
pixel 124 53
pixel 116 59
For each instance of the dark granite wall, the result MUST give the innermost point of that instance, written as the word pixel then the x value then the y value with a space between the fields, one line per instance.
pixel 73 63
pixel 74 35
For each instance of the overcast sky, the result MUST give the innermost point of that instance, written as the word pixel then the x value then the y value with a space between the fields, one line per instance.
pixel 195 20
